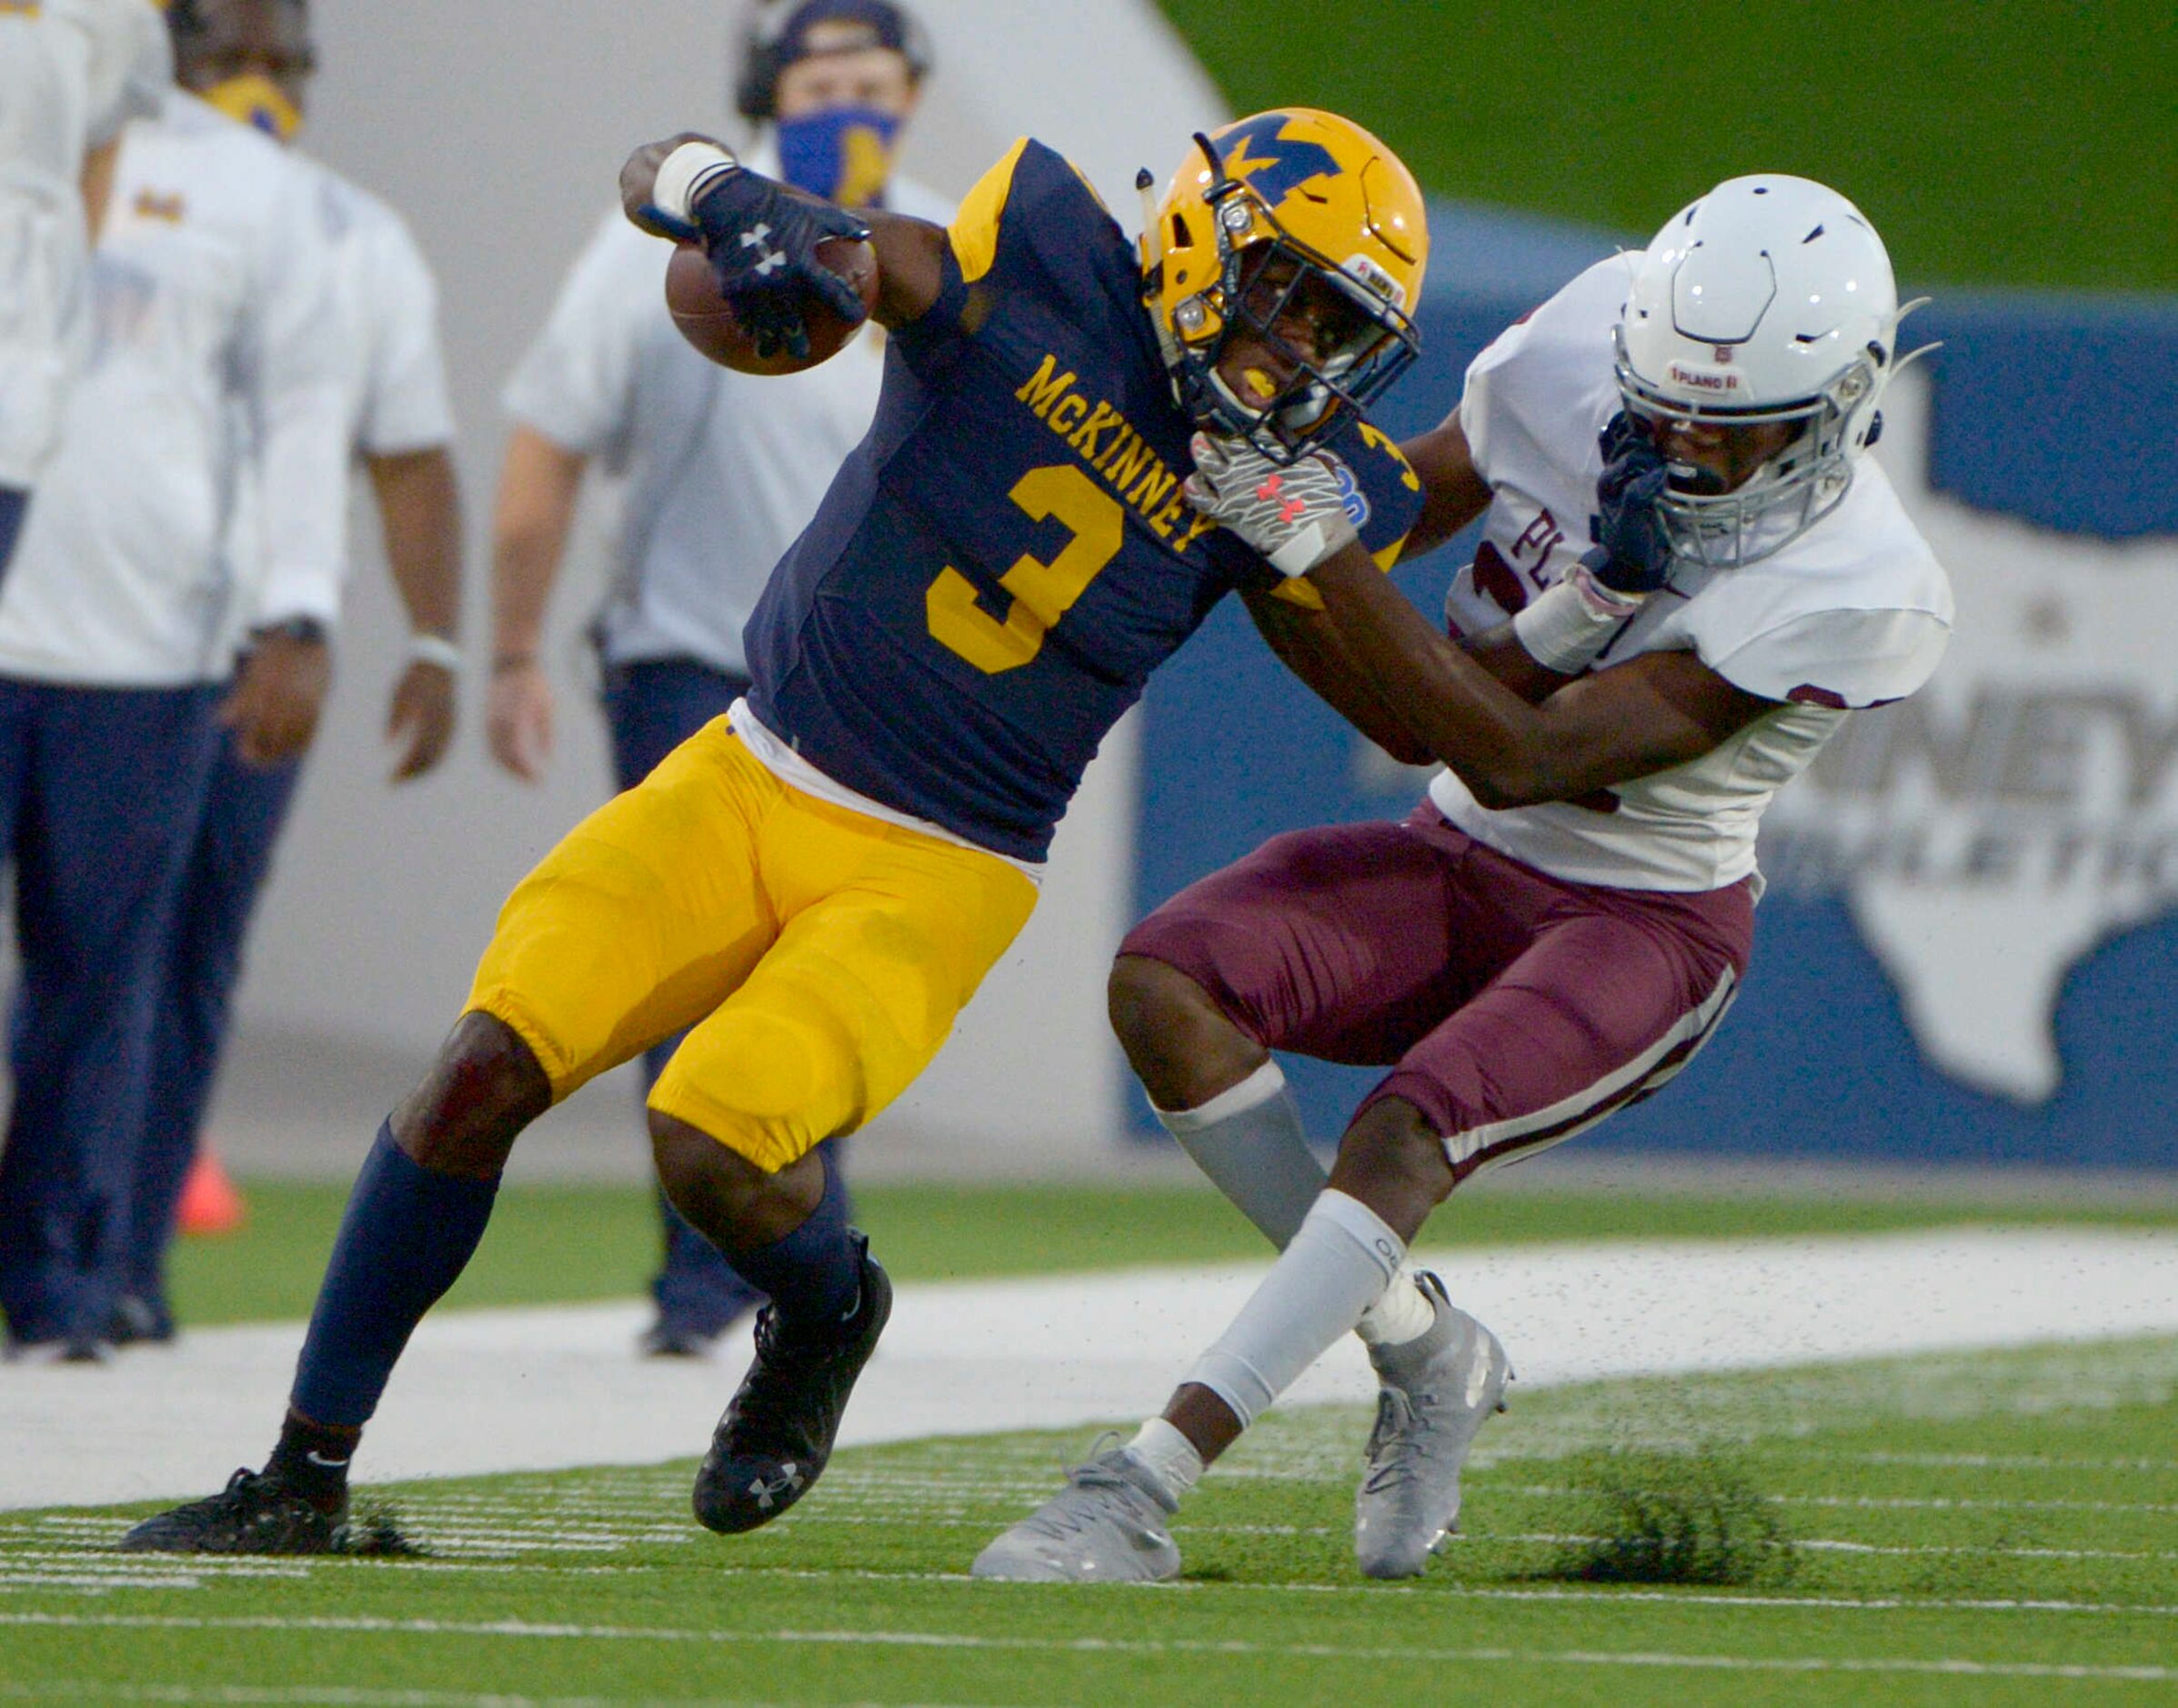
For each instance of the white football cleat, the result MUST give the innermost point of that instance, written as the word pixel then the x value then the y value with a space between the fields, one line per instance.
pixel 1106 1526
pixel 1436 1393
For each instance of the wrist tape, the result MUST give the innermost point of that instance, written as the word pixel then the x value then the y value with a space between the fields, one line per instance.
pixel 1569 625
pixel 686 173
pixel 1311 547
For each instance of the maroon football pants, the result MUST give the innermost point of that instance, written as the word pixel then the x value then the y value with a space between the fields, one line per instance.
pixel 1514 1008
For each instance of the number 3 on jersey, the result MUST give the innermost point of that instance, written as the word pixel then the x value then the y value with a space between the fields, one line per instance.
pixel 1042 592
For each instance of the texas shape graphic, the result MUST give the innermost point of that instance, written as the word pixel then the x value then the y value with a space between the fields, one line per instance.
pixel 2023 808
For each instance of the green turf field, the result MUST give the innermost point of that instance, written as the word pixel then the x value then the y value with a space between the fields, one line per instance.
pixel 1985 1529
pixel 560 1245
pixel 2029 143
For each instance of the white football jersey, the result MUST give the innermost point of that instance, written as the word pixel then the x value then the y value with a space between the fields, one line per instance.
pixel 715 473
pixel 389 311
pixel 212 301
pixel 1853 613
pixel 385 323
pixel 71 73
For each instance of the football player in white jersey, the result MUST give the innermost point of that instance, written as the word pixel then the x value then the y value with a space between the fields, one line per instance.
pixel 1562 924
pixel 72 72
pixel 253 60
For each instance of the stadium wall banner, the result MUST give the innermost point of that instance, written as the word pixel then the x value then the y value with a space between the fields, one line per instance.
pixel 1968 951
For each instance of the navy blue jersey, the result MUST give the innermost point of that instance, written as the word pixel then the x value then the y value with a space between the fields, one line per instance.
pixel 1005 558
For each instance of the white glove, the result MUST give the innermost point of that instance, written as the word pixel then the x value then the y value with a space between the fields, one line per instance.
pixel 1295 516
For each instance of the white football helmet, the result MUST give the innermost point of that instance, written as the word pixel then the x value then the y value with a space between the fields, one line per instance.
pixel 1770 298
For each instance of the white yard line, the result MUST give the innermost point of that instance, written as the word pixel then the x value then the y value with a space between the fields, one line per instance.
pixel 521 1630
pixel 1615 1596
pixel 84 1690
pixel 541 1389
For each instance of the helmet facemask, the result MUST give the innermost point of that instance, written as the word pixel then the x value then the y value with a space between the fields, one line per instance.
pixel 1795 487
pixel 1264 276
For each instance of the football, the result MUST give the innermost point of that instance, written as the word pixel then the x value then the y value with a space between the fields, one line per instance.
pixel 707 323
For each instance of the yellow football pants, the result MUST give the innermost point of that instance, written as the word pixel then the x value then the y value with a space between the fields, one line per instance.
pixel 820 955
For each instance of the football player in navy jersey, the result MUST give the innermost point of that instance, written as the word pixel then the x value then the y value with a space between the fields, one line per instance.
pixel 816 884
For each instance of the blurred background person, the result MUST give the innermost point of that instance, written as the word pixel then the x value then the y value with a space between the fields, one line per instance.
pixel 71 73
pixel 253 60
pixel 212 294
pixel 716 472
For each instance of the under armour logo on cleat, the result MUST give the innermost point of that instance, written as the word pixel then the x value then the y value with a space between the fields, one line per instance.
pixel 766 1491
pixel 1272 488
pixel 1292 509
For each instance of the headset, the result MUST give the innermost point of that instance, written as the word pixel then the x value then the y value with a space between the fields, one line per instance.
pixel 772 44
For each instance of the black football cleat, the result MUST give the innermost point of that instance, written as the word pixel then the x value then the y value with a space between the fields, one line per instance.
pixel 255 1514
pixel 772 1443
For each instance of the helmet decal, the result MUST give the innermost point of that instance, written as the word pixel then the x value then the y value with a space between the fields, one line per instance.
pixel 1360 267
pixel 1273 168
pixel 1709 380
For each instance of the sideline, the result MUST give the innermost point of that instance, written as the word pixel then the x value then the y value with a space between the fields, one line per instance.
pixel 548 1388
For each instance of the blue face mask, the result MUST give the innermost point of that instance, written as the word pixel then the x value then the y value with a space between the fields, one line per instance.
pixel 843 154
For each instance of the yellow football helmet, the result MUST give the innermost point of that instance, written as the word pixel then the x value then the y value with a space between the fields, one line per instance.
pixel 1265 206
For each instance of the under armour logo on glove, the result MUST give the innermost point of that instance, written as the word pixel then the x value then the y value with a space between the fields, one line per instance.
pixel 1290 509
pixel 1296 517
pixel 773 259
pixel 762 243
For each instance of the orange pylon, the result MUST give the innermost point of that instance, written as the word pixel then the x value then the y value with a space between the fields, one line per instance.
pixel 210 1204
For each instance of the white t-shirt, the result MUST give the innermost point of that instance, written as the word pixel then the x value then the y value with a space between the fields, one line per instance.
pixel 716 472
pixel 212 298
pixel 1853 613
pixel 71 73
pixel 385 323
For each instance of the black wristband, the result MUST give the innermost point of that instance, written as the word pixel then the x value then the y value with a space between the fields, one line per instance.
pixel 309 630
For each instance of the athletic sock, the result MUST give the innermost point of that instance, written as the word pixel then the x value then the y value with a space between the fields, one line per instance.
pixel 407 1232
pixel 814 1275
pixel 312 1459
pixel 1169 1453
pixel 1341 1258
pixel 1250 1141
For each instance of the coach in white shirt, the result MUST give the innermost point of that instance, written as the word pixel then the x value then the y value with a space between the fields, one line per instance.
pixel 72 72
pixel 210 302
pixel 717 473
pixel 253 60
